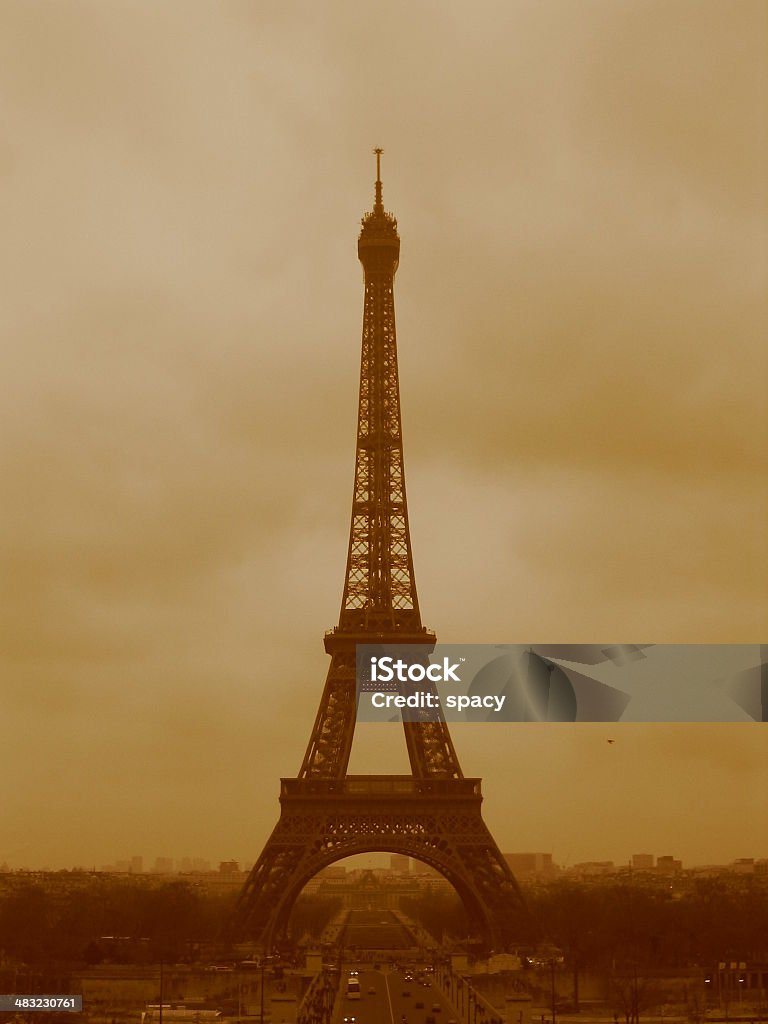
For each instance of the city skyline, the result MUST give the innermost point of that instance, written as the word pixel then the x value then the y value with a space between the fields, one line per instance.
pixel 581 197
pixel 169 864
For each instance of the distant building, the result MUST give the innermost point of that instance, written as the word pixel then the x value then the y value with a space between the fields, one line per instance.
pixel 400 864
pixel 229 867
pixel 744 865
pixel 523 864
pixel 424 870
pixel 137 865
pixel 187 865
pixel 594 867
pixel 668 866
pixel 334 871
pixel 643 861
pixel 163 866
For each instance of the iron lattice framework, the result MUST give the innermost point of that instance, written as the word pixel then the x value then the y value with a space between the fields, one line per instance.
pixel 379 580
pixel 433 814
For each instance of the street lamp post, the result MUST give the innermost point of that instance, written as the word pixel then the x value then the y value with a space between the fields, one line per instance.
pixel 263 962
pixel 552 978
pixel 160 1015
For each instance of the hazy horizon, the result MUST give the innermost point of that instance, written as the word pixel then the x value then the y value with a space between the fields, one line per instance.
pixel 355 862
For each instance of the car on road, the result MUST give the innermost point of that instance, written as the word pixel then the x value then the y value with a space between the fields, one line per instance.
pixel 419 1005
pixel 436 1007
pixel 371 991
pixel 350 1020
pixel 429 1020
pixel 406 994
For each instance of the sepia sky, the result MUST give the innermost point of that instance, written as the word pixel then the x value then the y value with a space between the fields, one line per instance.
pixel 581 305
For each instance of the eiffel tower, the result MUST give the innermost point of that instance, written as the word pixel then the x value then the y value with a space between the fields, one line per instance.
pixel 433 814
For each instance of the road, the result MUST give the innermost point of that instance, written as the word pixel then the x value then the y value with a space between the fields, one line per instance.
pixel 375 929
pixel 385 996
pixel 389 1004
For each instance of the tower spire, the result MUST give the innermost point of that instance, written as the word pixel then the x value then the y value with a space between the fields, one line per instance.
pixel 378 206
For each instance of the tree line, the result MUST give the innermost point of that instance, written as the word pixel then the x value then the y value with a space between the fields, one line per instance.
pixel 615 923
pixel 108 919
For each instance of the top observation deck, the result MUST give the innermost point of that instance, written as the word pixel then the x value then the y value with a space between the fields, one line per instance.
pixel 378 247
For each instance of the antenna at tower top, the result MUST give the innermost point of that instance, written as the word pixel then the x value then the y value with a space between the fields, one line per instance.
pixel 379 205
